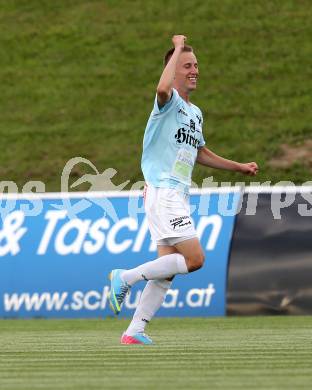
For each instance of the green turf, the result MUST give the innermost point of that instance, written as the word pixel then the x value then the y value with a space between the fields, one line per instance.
pixel 217 353
pixel 78 78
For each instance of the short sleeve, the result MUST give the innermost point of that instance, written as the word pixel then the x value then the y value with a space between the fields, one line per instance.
pixel 202 141
pixel 200 121
pixel 171 102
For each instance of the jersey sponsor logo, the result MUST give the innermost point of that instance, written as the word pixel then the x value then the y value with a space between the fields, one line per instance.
pixel 192 125
pixel 183 136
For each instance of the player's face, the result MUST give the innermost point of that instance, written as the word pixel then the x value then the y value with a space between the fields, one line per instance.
pixel 187 71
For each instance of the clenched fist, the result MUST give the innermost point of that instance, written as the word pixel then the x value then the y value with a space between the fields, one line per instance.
pixel 178 41
pixel 250 168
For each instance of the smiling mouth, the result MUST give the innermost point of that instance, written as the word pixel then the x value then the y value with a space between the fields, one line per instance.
pixel 193 79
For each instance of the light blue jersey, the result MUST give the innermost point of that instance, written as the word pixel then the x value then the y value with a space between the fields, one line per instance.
pixel 172 137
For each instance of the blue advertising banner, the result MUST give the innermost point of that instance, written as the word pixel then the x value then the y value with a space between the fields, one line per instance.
pixel 56 251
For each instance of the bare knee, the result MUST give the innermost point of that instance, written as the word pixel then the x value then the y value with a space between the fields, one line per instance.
pixel 195 262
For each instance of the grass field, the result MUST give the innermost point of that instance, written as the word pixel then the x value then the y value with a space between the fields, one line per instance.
pixel 217 353
pixel 78 78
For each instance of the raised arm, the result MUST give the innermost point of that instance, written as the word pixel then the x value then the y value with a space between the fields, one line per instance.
pixel 207 158
pixel 164 87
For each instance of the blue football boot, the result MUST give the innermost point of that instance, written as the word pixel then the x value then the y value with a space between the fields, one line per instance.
pixel 118 290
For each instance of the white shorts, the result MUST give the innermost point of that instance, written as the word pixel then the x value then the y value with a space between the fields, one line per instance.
pixel 168 215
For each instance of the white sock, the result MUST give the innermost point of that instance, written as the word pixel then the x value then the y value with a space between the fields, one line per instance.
pixel 151 299
pixel 162 268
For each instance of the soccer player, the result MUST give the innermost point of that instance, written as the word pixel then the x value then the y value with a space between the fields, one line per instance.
pixel 173 142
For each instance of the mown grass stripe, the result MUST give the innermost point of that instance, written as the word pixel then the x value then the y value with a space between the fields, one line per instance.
pixel 224 353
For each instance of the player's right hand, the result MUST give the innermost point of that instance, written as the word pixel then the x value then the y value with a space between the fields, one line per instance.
pixel 178 41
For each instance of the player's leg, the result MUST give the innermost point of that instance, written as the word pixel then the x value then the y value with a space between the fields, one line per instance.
pixel 168 213
pixel 192 252
pixel 188 258
pixel 155 290
pixel 151 299
pixel 163 267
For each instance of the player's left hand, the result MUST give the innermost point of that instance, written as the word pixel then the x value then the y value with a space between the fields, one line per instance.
pixel 250 168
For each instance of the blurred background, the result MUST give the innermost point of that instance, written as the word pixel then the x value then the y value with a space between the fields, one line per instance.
pixel 78 78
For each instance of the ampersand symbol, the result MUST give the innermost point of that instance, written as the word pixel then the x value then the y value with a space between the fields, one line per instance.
pixel 11 233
